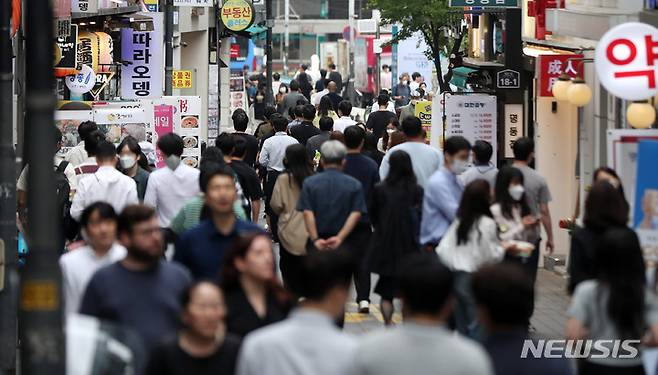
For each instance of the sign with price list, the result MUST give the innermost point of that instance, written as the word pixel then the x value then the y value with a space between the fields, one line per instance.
pixel 473 117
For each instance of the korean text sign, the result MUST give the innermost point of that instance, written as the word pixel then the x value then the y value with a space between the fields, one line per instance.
pixel 550 67
pixel 142 77
pixel 182 79
pixel 625 61
pixel 237 15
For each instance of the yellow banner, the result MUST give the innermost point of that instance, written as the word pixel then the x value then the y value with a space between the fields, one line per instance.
pixel 423 110
pixel 182 79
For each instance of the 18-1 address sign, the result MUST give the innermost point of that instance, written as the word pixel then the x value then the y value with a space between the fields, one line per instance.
pixel 508 79
pixel 484 3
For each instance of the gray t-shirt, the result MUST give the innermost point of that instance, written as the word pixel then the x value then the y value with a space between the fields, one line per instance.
pixel 424 159
pixel 536 193
pixel 589 305
pixel 480 172
pixel 420 349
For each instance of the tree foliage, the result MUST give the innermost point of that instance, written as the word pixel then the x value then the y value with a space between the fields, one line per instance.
pixel 432 18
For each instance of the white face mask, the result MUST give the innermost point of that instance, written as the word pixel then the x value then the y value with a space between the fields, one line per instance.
pixel 282 90
pixel 127 161
pixel 390 131
pixel 172 162
pixel 516 192
pixel 459 166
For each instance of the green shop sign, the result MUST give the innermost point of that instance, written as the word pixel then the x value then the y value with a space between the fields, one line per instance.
pixel 484 3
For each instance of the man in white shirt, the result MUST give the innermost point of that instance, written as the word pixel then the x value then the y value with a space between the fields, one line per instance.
pixel 107 184
pixel 308 342
pixel 424 159
pixel 170 187
pixel 89 165
pixel 416 80
pixel 99 225
pixel 344 111
pixel 77 155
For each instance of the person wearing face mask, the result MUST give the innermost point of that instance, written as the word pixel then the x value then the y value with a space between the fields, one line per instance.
pixel 106 184
pixel 482 168
pixel 99 227
pixel 443 192
pixel 401 91
pixel 130 153
pixel 172 185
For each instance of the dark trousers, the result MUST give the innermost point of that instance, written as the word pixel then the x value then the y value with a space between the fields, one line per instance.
pixel 291 268
pixel 272 175
pixel 529 265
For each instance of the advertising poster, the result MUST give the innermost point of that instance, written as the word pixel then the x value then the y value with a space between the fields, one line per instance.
pixel 645 219
pixel 474 117
pixel 423 110
pixel 68 48
pixel 412 58
pixel 163 116
pixel 622 157
pixel 237 94
pixel 67 122
pixel 118 123
pixel 143 77
pixel 187 112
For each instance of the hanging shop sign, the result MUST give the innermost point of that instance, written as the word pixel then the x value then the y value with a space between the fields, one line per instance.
pixel 508 79
pixel 87 50
pixel 68 49
pixel 105 51
pixel 102 80
pixel 81 82
pixel 472 117
pixel 118 123
pixel 550 67
pixel 237 15
pixel 193 3
pixel 151 5
pixel 182 79
pixel 187 124
pixel 142 77
pixel 84 6
pixel 625 61
pixel 513 127
pixel 484 3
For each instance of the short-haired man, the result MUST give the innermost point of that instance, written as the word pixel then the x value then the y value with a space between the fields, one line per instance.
pixel 538 196
pixel 315 142
pixel 503 295
pixel 332 202
pixel 240 124
pixel 202 248
pixel 99 222
pixel 77 155
pixel 482 168
pixel 142 292
pixel 344 111
pixel 334 76
pixel 366 171
pixel 444 192
pixel 333 94
pixel 308 342
pixel 305 129
pixel 107 184
pixel 422 344
pixel 247 177
pixel 416 80
pixel 401 91
pixel 89 166
pixel 409 110
pixel 291 99
pixel 424 159
pixel 172 185
pixel 378 120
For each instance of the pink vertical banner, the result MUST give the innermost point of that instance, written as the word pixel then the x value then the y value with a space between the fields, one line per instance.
pixel 164 124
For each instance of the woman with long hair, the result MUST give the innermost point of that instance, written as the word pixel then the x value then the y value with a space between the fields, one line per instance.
pixel 133 164
pixel 615 305
pixel 394 209
pixel 604 208
pixel 254 297
pixel 610 175
pixel 325 109
pixel 395 138
pixel 510 209
pixel 203 346
pixel 393 126
pixel 470 242
pixel 292 230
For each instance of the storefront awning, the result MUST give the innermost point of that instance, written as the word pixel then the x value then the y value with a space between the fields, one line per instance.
pixel 460 75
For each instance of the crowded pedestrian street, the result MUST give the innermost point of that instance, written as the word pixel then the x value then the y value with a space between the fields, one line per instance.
pixel 328 187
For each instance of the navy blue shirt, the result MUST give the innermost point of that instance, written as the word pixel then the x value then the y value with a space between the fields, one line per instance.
pixel 505 349
pixel 201 249
pixel 332 196
pixel 366 171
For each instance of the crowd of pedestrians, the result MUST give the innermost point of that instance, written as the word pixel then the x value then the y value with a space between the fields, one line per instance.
pixel 178 255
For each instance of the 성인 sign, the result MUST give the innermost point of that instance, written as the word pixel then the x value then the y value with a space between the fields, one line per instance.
pixel 237 15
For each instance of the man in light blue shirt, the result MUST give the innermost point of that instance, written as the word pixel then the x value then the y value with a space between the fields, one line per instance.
pixel 443 192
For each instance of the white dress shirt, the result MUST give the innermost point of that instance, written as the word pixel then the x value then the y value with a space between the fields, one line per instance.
pixel 274 151
pixel 77 155
pixel 107 185
pixel 482 246
pixel 308 342
pixel 342 123
pixel 78 266
pixel 168 191
pixel 315 98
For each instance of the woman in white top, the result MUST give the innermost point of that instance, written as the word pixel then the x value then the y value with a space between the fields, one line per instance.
pixel 470 242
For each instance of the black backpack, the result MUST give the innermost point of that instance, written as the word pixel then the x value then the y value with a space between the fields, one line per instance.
pixel 63 193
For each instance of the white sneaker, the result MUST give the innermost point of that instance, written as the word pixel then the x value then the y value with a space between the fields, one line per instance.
pixel 364 307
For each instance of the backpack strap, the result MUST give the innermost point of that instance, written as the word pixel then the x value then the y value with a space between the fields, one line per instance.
pixel 86 169
pixel 62 166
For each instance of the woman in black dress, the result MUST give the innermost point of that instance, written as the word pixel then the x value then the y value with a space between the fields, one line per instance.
pixel 203 347
pixel 394 209
pixel 254 296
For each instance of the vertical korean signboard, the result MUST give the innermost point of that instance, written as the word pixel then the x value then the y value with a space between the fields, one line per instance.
pixel 163 118
pixel 513 127
pixel 473 117
pixel 551 66
pixel 142 78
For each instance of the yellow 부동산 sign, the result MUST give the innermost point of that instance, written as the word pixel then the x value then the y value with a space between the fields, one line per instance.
pixel 237 15
pixel 423 110
pixel 182 79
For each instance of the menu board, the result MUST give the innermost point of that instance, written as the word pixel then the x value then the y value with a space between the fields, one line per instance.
pixel 186 118
pixel 473 117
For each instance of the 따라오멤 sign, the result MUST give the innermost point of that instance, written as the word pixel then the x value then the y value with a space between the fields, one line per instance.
pixel 237 15
pixel 142 77
pixel 625 61
pixel 550 67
